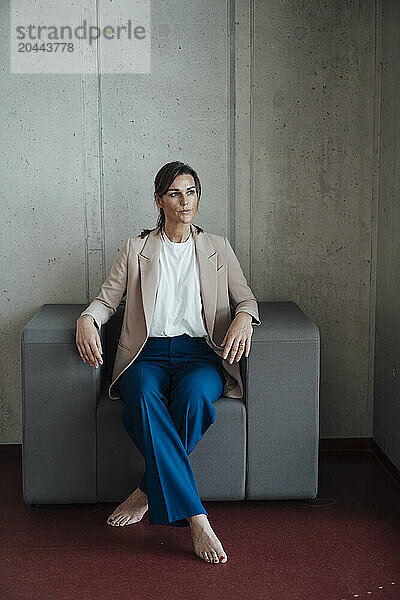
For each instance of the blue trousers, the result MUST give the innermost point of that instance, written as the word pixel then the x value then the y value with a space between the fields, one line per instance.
pixel 169 393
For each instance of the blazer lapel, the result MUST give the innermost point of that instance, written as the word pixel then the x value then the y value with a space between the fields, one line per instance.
pixel 207 263
pixel 148 268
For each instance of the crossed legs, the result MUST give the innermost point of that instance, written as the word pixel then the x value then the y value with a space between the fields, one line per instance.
pixel 166 413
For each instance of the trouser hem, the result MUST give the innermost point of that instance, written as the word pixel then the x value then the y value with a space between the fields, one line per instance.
pixel 179 521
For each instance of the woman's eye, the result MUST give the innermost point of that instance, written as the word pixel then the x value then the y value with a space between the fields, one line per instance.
pixel 174 193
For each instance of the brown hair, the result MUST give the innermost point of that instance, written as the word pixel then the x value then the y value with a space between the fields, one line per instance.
pixel 163 181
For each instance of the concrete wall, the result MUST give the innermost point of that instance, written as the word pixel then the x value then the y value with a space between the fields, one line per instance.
pixel 312 198
pixel 387 346
pixel 41 230
pixel 273 105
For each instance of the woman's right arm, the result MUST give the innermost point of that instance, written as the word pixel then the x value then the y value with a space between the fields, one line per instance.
pixel 102 308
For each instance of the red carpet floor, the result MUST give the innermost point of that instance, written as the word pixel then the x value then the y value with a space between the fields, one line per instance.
pixel 343 545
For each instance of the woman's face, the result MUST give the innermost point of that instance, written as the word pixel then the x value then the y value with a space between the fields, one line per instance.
pixel 180 196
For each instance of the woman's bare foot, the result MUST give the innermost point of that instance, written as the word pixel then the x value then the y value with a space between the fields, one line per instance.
pixel 130 511
pixel 205 542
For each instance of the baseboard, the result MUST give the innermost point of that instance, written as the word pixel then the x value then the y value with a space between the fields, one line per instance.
pixel 345 444
pixel 10 450
pixel 325 444
pixel 385 461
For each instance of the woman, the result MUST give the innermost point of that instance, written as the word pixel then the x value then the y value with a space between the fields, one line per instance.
pixel 170 367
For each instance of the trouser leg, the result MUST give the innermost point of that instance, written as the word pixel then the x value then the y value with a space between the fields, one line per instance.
pixel 170 483
pixel 194 389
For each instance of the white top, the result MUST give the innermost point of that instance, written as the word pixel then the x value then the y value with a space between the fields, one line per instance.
pixel 178 307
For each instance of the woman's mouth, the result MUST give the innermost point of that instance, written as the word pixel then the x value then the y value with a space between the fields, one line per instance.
pixel 185 211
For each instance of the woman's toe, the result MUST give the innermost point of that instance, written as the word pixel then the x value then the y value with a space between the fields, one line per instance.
pixel 113 518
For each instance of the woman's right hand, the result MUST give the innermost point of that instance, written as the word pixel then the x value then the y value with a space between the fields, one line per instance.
pixel 88 341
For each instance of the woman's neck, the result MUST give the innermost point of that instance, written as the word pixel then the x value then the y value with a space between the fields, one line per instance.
pixel 178 234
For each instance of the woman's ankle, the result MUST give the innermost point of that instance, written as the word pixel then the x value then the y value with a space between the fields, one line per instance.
pixel 197 519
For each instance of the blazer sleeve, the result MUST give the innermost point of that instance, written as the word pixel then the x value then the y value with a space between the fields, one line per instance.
pixel 240 295
pixel 113 289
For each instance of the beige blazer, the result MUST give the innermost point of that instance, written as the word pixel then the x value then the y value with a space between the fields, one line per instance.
pixel 134 273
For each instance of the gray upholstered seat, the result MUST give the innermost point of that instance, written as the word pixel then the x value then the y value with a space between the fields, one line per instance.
pixel 263 446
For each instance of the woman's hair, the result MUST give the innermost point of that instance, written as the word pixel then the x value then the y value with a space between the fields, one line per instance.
pixel 162 183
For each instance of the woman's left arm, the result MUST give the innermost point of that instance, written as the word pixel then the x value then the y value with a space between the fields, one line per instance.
pixel 238 336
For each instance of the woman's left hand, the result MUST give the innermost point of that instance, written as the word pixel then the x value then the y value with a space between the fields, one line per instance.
pixel 239 332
